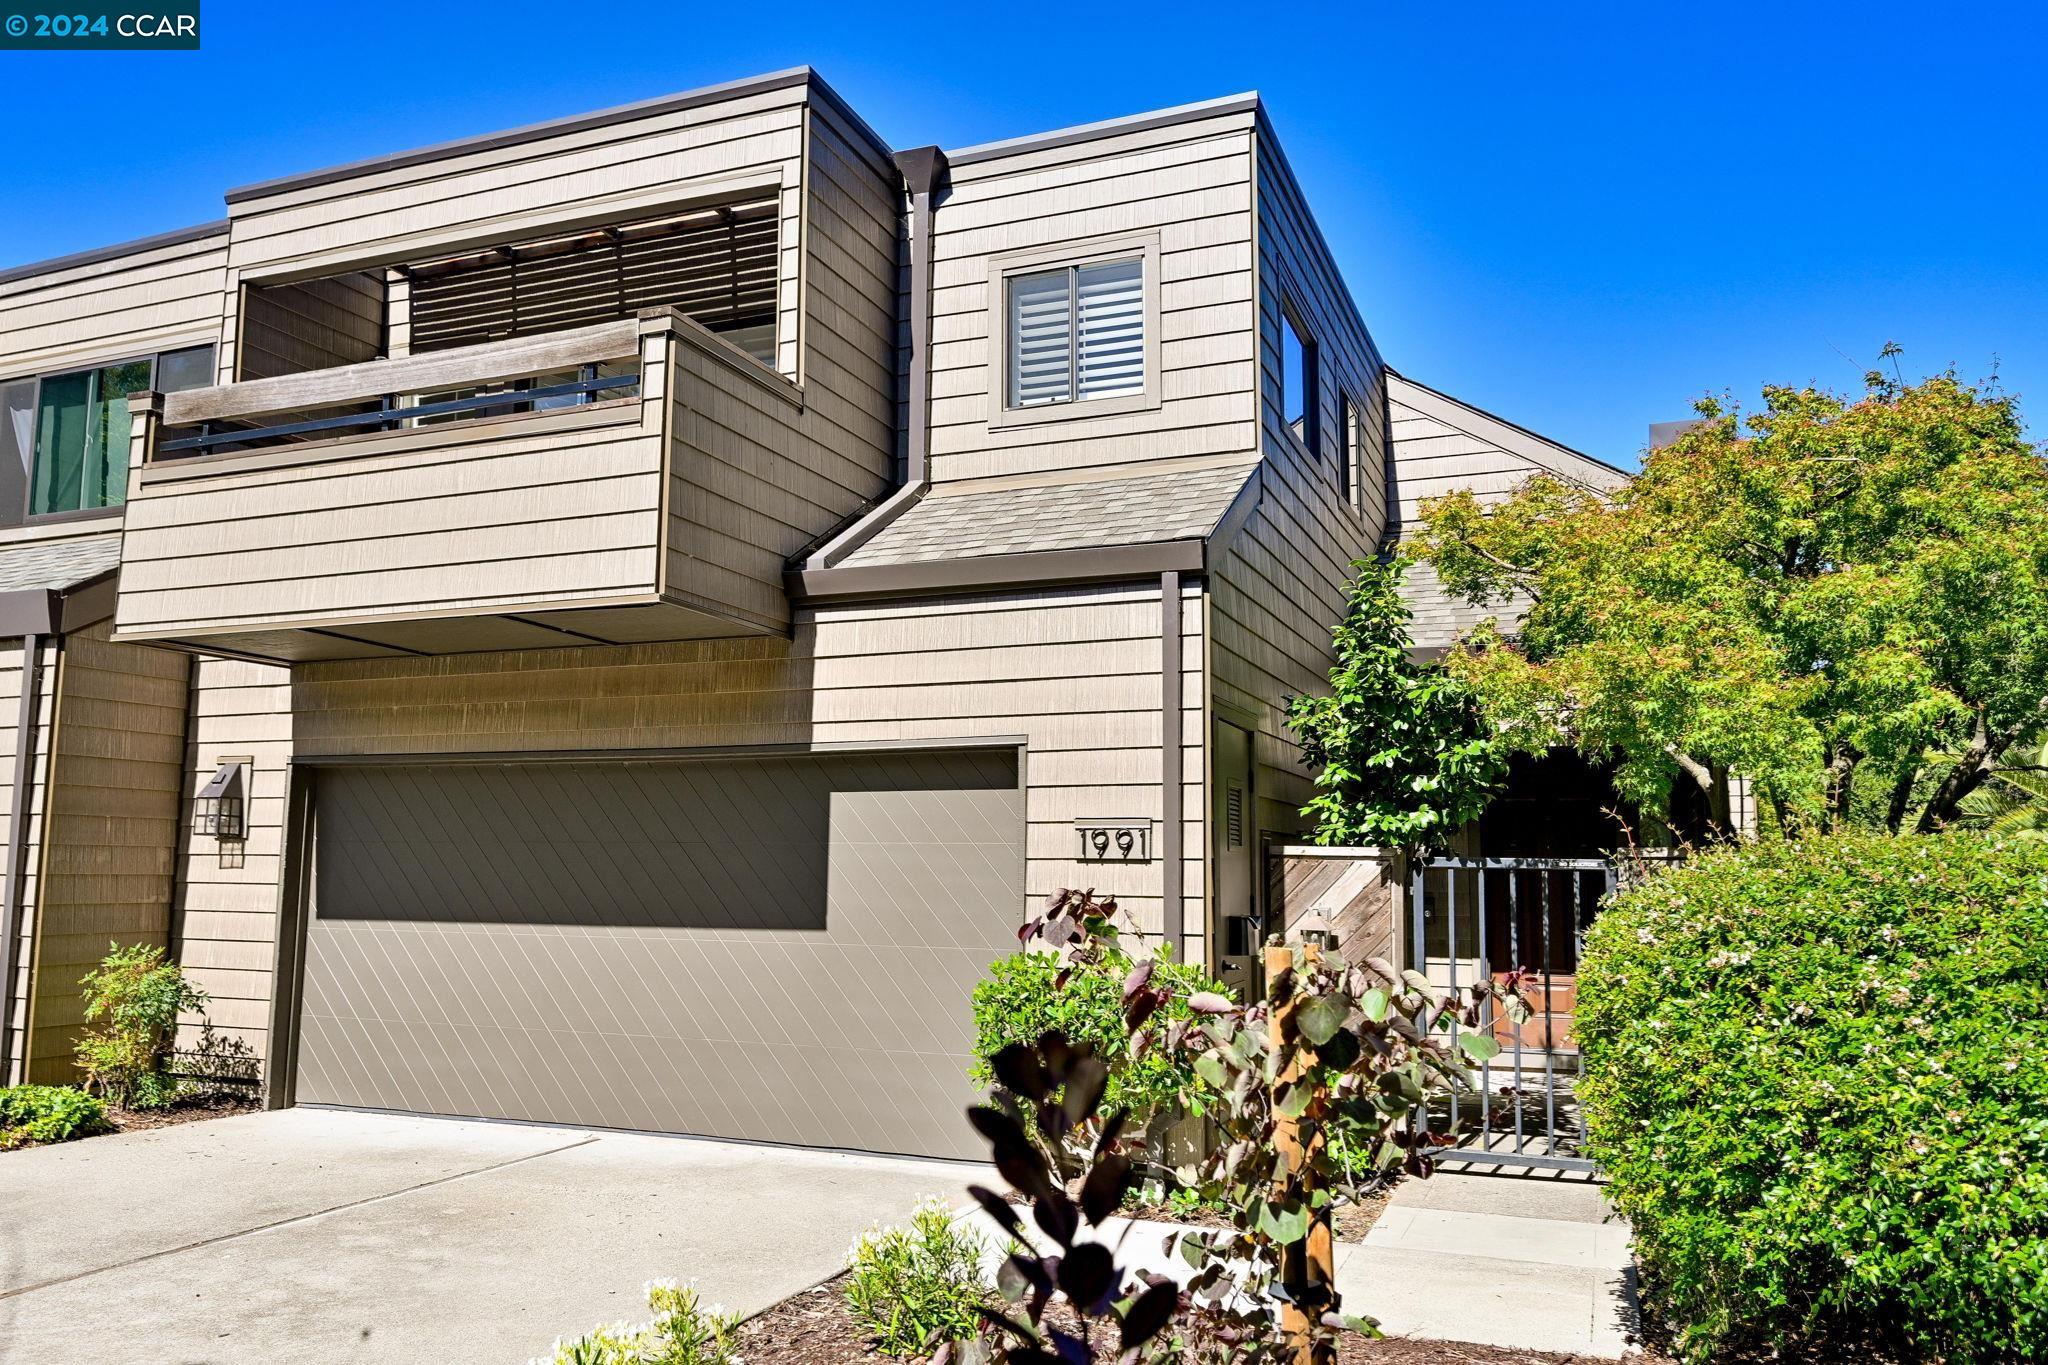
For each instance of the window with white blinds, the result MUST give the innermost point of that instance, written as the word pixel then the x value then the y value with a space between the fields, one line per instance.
pixel 1076 333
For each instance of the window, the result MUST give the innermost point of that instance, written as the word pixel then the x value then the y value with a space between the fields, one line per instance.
pixel 64 446
pixel 1298 383
pixel 1347 441
pixel 1075 334
pixel 177 371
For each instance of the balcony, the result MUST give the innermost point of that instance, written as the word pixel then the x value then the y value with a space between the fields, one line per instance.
pixel 582 486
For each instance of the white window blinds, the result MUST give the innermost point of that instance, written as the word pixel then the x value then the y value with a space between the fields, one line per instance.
pixel 1076 333
pixel 1041 338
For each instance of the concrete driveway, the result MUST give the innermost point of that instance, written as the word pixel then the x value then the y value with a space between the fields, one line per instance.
pixel 320 1235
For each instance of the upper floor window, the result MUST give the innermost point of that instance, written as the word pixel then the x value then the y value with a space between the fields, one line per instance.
pixel 1074 331
pixel 1077 333
pixel 1299 383
pixel 1347 441
pixel 64 436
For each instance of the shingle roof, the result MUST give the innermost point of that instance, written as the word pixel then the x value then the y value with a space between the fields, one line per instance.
pixel 57 564
pixel 1439 619
pixel 971 523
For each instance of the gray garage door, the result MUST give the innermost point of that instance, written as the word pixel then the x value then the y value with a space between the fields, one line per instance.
pixel 776 948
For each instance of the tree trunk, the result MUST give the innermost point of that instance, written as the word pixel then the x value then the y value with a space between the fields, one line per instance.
pixel 1841 782
pixel 1902 796
pixel 1970 772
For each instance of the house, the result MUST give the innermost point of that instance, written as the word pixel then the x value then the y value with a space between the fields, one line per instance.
pixel 612 622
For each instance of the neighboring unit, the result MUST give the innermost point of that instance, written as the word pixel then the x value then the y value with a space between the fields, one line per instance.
pixel 617 619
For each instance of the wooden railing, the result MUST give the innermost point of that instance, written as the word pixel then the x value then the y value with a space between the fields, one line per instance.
pixel 230 416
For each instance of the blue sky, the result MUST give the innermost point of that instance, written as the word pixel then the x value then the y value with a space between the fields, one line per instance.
pixel 1577 216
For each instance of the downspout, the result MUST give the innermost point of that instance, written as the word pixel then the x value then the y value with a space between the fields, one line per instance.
pixel 12 906
pixel 924 171
pixel 1173 914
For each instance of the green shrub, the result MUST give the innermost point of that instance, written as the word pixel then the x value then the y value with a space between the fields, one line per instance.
pixel 48 1113
pixel 1023 998
pixel 1815 1079
pixel 916 1288
pixel 134 998
pixel 683 1331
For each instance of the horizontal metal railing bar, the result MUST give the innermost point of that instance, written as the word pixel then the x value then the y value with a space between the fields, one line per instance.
pixel 390 417
pixel 1522 864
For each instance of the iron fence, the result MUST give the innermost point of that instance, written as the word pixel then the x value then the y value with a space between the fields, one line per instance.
pixel 1511 914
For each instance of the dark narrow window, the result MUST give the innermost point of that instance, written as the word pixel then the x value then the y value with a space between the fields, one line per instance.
pixel 1347 442
pixel 1298 384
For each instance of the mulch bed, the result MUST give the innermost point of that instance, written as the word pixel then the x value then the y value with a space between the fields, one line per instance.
pixel 815 1328
pixel 189 1110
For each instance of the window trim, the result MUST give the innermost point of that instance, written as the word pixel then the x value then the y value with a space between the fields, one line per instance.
pixel 1310 442
pixel 28 488
pixel 1094 251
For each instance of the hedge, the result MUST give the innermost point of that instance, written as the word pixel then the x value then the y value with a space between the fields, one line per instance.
pixel 1817 1080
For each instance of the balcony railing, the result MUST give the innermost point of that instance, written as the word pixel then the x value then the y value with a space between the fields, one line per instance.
pixel 544 373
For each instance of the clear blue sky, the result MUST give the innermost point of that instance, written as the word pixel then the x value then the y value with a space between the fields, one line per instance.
pixel 1580 217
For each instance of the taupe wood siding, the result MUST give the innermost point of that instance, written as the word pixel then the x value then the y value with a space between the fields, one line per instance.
pixel 131 306
pixel 117 769
pixel 226 920
pixel 756 478
pixel 1440 446
pixel 1191 184
pixel 10 704
pixel 539 514
pixel 611 173
pixel 313 325
pixel 1282 587
pixel 1074 672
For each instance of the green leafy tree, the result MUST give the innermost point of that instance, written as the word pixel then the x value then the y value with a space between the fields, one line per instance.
pixel 1403 756
pixel 1844 602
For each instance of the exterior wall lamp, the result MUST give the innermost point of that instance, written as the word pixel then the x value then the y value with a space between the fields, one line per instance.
pixel 222 807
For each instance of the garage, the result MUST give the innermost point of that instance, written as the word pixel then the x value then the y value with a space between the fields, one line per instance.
pixel 770 947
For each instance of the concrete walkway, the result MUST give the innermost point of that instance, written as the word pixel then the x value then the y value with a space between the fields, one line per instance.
pixel 1525 1261
pixel 318 1235
pixel 1529 1263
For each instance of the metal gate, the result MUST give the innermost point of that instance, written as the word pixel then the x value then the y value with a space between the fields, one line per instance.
pixel 1473 916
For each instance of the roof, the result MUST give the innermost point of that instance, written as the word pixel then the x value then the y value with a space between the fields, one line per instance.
pixel 1086 132
pixel 533 132
pixel 975 519
pixel 1438 620
pixel 55 586
pixel 57 565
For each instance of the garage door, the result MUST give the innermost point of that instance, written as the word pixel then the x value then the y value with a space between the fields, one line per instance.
pixel 773 948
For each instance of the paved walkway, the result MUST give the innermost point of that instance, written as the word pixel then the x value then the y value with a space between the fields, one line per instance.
pixel 316 1235
pixel 1531 1262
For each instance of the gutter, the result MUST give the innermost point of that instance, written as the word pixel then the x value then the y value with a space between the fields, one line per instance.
pixel 924 174
pixel 13 905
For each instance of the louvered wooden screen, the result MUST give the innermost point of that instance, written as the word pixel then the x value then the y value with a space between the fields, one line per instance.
pixel 719 266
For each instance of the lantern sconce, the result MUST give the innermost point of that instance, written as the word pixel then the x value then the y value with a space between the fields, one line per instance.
pixel 222 807
pixel 1314 930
